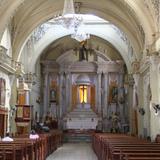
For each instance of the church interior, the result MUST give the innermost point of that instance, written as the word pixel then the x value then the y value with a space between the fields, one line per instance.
pixel 80 72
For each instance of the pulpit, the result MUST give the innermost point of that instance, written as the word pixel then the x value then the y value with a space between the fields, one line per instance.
pixel 23 109
pixel 23 118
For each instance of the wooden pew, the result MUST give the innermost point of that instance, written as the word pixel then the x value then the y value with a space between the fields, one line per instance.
pixel 23 148
pixel 123 147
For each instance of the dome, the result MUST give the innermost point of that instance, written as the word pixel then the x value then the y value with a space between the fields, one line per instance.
pixel 83 80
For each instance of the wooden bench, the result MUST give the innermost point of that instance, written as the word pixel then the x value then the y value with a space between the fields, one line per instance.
pixel 23 148
pixel 123 147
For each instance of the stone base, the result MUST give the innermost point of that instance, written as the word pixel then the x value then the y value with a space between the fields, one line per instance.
pixel 81 118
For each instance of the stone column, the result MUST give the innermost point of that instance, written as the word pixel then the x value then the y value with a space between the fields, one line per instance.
pixel 106 91
pixel 136 99
pixel 99 77
pixel 45 95
pixel 121 95
pixel 130 103
pixel 88 94
pixel 78 99
pixel 60 112
pixel 61 100
pixel 68 91
pixel 155 93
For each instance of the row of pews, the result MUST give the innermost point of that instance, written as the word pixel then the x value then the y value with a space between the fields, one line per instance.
pixel 23 148
pixel 124 147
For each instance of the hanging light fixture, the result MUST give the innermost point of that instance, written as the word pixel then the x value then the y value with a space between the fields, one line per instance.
pixel 71 20
pixel 80 35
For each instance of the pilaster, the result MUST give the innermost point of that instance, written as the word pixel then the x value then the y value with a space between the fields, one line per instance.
pixel 45 96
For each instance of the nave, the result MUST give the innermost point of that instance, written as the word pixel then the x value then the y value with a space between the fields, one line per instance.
pixel 72 151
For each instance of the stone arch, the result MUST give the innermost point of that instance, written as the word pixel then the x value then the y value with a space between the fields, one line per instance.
pixel 101 12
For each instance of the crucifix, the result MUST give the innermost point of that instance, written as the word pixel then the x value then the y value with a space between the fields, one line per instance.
pixel 83 95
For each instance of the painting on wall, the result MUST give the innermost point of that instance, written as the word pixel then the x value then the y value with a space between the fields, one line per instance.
pixel 113 88
pixel 26 113
pixel 113 94
pixel 19 112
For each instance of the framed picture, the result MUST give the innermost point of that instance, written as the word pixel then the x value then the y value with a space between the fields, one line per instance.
pixel 20 112
pixel 26 113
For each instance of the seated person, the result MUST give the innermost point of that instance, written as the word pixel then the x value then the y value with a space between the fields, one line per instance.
pixel 33 135
pixel 7 138
pixel 45 127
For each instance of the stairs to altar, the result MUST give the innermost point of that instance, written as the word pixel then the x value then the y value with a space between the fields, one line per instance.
pixel 74 136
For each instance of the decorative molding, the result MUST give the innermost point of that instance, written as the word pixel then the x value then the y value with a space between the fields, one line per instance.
pixel 155 61
pixel 156 6
pixel 6 62
pixel 124 38
pixel 131 11
pixel 144 64
pixel 40 31
pixel 135 67
pixel 153 6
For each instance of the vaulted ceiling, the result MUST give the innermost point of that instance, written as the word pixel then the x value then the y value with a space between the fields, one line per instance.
pixel 62 45
pixel 132 17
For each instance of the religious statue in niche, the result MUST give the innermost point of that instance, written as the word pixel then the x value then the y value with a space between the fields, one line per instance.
pixel 115 123
pixel 53 95
pixel 121 97
pixel 83 52
pixel 113 92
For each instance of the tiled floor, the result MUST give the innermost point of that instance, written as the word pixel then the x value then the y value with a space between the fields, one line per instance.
pixel 74 151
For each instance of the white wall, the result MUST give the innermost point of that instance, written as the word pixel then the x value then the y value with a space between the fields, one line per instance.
pixel 6 41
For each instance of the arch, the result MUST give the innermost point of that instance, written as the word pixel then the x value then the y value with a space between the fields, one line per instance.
pixel 127 23
pixel 52 36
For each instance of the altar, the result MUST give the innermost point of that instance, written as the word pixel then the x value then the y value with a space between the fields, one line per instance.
pixel 81 118
pixel 81 123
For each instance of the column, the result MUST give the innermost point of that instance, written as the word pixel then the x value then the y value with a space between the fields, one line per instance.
pixel 88 94
pixel 60 112
pixel 121 95
pixel 68 92
pixel 99 104
pixel 130 103
pixel 78 99
pixel 45 95
pixel 61 100
pixel 106 91
pixel 155 93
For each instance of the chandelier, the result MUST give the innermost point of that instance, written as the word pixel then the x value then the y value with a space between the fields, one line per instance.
pixel 71 20
pixel 80 35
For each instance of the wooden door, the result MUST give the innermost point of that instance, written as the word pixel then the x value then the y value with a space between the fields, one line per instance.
pixel 2 124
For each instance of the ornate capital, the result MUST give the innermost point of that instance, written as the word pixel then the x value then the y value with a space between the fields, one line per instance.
pixel 154 60
pixel 135 67
pixel 130 80
pixel 136 77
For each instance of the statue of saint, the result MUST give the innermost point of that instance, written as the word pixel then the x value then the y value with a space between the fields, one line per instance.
pixel 83 52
